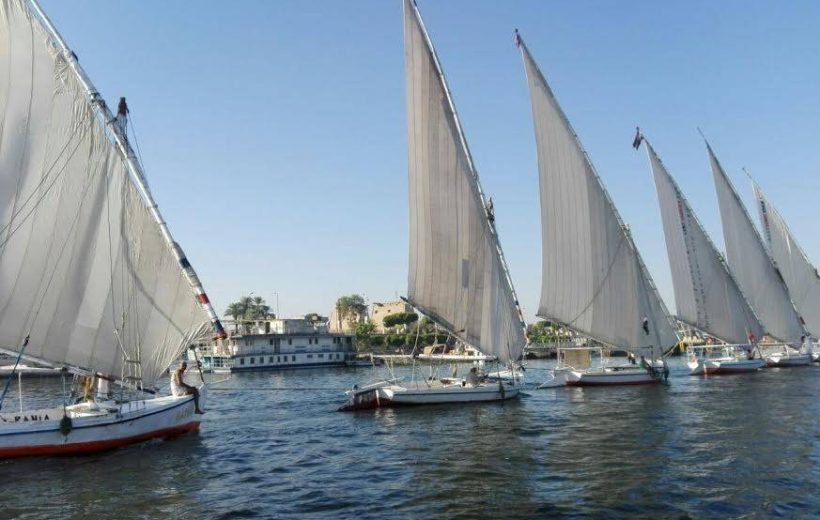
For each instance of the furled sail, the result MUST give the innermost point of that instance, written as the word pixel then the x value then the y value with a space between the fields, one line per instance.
pixel 87 277
pixel 594 279
pixel 706 295
pixel 457 274
pixel 800 275
pixel 751 265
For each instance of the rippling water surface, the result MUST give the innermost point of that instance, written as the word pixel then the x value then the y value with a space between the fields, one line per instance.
pixel 273 446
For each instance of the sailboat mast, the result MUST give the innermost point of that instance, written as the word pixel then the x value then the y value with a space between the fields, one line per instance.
pixel 109 122
pixel 474 173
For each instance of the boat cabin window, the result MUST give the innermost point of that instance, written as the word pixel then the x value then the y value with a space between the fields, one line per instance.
pixel 293 358
pixel 241 361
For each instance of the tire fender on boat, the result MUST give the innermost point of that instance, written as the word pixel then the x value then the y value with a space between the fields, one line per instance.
pixel 66 425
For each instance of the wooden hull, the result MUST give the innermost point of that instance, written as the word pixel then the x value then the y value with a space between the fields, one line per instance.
pixel 394 395
pixel 111 426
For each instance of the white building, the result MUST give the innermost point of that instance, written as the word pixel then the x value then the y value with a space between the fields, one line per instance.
pixel 279 344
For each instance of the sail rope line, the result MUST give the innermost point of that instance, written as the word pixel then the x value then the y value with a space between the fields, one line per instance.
pixel 36 189
pixel 23 155
pixel 136 140
pixel 30 321
pixel 600 285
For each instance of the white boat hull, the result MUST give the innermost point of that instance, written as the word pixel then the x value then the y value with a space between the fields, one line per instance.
pixel 609 377
pixel 455 357
pixel 557 378
pixel 724 366
pixel 110 426
pixel 785 360
pixel 392 394
pixel 26 370
pixel 505 375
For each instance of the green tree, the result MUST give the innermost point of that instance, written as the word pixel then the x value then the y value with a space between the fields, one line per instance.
pixel 400 318
pixel 364 333
pixel 351 308
pixel 541 331
pixel 249 308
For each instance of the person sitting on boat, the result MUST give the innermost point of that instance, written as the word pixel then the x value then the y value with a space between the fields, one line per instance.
pixel 472 378
pixel 808 346
pixel 490 211
pixel 179 387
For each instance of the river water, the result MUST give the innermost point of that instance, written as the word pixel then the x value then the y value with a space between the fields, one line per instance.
pixel 272 445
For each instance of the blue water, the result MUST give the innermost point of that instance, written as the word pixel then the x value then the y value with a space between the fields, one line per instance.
pixel 273 446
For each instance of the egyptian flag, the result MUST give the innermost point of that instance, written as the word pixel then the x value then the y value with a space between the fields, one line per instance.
pixel 636 143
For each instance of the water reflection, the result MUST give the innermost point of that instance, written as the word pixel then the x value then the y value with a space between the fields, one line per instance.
pixel 272 445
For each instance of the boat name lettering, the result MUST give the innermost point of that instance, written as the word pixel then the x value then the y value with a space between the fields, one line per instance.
pixel 26 418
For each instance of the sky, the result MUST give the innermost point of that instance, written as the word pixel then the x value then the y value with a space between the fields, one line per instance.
pixel 273 133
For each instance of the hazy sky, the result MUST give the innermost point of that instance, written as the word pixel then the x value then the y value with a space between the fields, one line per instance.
pixel 273 132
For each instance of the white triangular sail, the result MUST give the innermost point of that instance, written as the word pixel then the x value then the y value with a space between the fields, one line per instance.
pixel 707 297
pixel 86 269
pixel 594 279
pixel 751 265
pixel 457 273
pixel 800 275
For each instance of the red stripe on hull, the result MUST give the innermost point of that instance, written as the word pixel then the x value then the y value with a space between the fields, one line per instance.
pixel 89 447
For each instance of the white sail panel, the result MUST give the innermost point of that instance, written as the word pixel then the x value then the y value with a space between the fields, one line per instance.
pixel 751 265
pixel 800 275
pixel 456 273
pixel 706 295
pixel 84 269
pixel 594 280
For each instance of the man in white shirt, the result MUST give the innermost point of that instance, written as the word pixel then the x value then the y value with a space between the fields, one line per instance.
pixel 179 387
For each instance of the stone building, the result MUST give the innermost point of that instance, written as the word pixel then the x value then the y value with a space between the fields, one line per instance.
pixel 378 311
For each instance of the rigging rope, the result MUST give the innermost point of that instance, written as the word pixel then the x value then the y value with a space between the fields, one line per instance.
pixel 601 285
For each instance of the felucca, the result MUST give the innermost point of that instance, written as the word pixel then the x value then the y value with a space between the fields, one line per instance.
pixel 707 297
pixel 801 277
pixel 91 279
pixel 458 276
pixel 758 276
pixel 594 281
